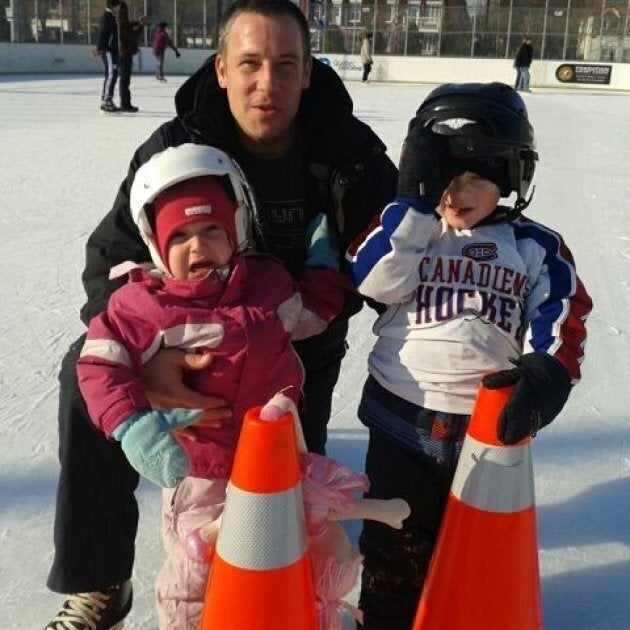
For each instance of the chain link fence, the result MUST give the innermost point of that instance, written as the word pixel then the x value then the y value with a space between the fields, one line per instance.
pixel 560 29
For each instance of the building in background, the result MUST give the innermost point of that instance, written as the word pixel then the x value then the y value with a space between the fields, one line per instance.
pixel 588 30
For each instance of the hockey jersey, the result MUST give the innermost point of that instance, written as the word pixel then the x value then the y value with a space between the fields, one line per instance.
pixel 462 303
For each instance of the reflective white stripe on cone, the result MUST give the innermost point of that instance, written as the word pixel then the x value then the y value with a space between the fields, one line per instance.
pixel 484 571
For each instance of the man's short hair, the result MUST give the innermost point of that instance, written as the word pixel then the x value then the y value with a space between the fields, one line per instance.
pixel 110 4
pixel 267 8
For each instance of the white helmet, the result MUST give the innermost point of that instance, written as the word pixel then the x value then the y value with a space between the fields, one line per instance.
pixel 178 164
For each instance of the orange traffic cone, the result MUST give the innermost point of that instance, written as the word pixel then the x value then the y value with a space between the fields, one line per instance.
pixel 484 570
pixel 261 575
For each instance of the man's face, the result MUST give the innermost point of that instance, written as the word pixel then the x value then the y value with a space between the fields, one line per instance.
pixel 264 73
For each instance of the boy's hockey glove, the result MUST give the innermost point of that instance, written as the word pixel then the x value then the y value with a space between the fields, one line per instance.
pixel 150 447
pixel 419 169
pixel 541 388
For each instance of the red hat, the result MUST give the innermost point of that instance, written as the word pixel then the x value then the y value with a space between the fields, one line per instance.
pixel 192 201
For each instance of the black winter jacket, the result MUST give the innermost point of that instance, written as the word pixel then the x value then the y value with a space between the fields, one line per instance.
pixel 524 56
pixel 107 33
pixel 349 172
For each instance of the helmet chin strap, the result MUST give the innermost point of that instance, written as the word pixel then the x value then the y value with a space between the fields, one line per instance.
pixel 521 204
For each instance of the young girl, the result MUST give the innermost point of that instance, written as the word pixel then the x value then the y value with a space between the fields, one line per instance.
pixel 206 294
pixel 464 279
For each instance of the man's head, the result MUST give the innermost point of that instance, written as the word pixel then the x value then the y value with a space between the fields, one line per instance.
pixel 162 24
pixel 264 62
pixel 267 8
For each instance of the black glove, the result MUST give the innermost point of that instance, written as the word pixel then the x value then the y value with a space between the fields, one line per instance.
pixel 541 388
pixel 178 54
pixel 419 169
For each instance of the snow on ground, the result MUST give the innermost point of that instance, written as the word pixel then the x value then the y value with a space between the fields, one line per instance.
pixel 61 162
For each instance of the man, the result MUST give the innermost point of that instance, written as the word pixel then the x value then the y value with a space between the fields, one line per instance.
pixel 288 120
pixel 107 49
pixel 366 56
pixel 522 62
pixel 129 32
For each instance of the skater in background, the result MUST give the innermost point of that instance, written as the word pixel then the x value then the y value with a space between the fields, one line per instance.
pixel 206 294
pixel 129 32
pixel 162 41
pixel 306 154
pixel 465 279
pixel 522 62
pixel 107 50
pixel 366 56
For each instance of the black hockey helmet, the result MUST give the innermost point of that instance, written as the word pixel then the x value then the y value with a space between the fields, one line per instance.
pixel 484 119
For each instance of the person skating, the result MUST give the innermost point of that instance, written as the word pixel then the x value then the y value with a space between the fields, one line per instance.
pixel 107 50
pixel 366 57
pixel 162 41
pixel 129 32
pixel 522 63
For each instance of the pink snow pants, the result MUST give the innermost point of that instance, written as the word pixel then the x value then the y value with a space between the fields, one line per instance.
pixel 181 583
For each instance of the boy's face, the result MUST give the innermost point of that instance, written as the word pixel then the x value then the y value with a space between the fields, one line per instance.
pixel 467 200
pixel 197 249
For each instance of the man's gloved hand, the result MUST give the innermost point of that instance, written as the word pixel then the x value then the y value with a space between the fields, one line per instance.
pixel 419 169
pixel 147 441
pixel 321 251
pixel 541 388
pixel 178 54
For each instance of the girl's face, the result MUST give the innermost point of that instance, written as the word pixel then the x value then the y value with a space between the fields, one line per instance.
pixel 467 200
pixel 197 249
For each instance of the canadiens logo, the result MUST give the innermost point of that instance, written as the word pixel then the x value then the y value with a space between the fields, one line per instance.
pixel 481 251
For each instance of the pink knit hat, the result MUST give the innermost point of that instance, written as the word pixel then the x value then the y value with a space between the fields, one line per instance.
pixel 192 201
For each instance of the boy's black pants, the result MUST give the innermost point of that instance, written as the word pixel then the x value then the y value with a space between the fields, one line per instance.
pixel 396 561
pixel 96 516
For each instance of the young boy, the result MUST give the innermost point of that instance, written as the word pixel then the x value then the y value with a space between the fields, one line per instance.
pixel 464 279
pixel 192 205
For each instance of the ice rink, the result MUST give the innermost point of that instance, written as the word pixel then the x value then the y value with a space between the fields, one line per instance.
pixel 62 161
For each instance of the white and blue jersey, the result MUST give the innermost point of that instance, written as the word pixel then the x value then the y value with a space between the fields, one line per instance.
pixel 462 303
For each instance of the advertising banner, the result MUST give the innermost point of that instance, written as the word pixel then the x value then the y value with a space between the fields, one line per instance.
pixel 583 73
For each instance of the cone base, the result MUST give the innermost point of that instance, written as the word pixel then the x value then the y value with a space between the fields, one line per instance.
pixel 242 599
pixel 484 572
